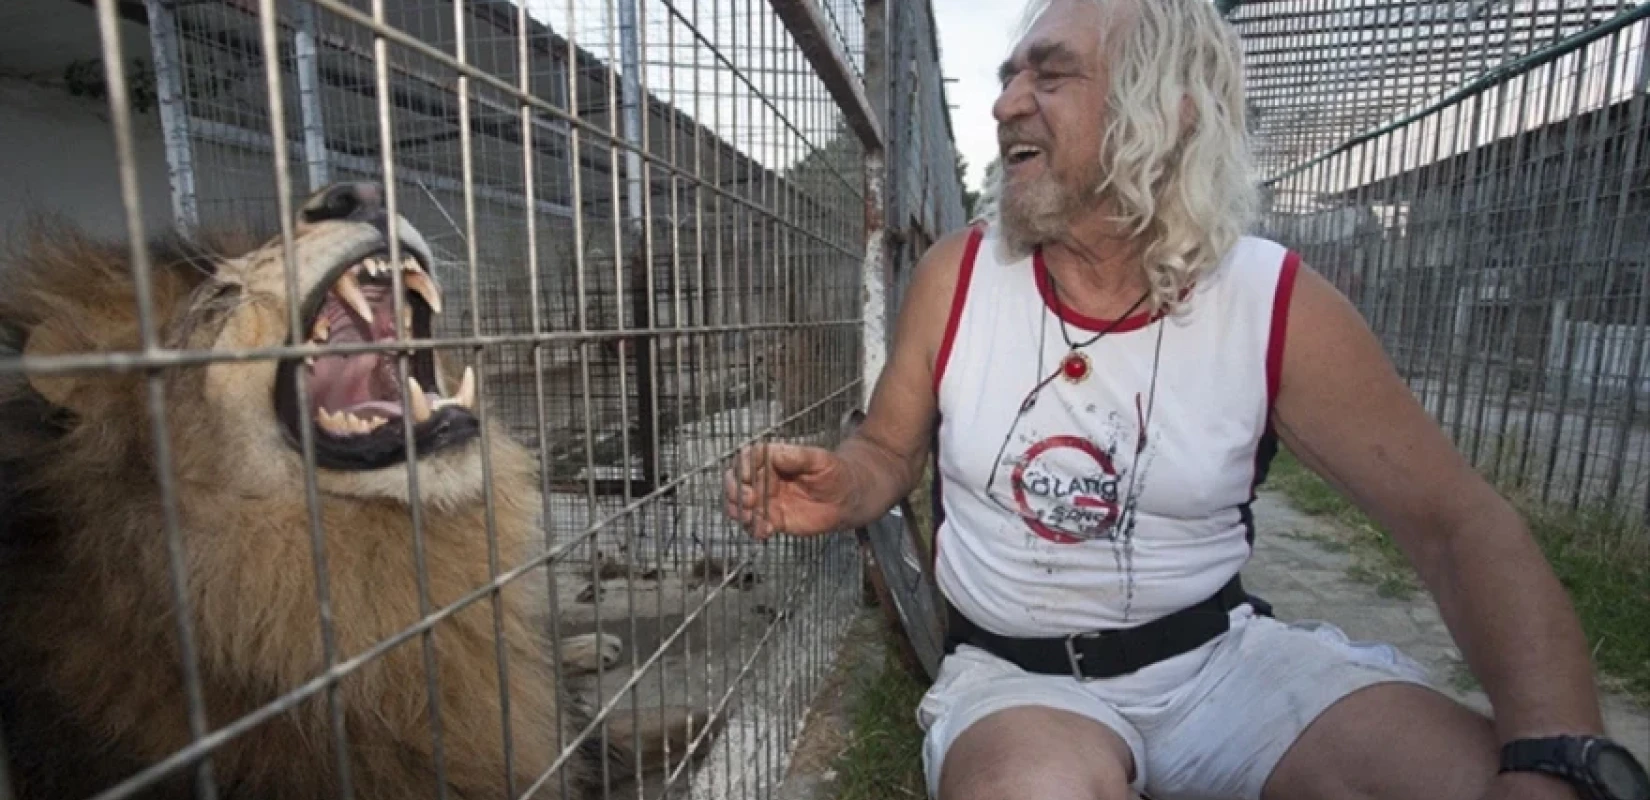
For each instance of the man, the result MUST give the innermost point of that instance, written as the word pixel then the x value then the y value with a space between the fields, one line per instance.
pixel 1107 368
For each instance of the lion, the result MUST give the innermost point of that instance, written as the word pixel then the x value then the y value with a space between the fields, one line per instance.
pixel 93 688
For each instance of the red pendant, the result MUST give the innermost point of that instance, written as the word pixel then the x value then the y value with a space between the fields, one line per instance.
pixel 1075 367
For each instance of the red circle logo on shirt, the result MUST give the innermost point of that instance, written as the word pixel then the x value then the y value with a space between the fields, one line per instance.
pixel 1066 490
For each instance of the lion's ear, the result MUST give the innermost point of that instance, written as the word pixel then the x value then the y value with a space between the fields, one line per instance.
pixel 63 390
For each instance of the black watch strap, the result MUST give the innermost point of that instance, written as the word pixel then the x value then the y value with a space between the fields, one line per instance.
pixel 1559 756
pixel 1598 768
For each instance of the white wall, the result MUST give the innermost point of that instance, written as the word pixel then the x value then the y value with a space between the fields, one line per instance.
pixel 57 151
pixel 59 156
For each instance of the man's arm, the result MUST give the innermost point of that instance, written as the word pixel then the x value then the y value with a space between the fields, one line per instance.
pixel 1344 411
pixel 885 455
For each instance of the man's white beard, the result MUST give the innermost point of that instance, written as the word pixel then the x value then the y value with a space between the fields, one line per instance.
pixel 1042 211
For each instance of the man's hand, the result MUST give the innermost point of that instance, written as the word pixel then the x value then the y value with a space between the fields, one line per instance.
pixel 1529 786
pixel 785 488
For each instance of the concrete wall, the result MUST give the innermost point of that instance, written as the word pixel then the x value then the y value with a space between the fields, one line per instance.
pixel 60 158
pixel 59 153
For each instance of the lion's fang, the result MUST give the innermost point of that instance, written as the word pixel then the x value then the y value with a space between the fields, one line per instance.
pixel 421 283
pixel 466 396
pixel 467 389
pixel 321 331
pixel 349 290
pixel 415 398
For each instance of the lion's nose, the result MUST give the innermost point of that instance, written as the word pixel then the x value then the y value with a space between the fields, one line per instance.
pixel 355 202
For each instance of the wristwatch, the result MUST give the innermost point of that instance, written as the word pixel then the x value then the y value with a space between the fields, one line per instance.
pixel 1597 767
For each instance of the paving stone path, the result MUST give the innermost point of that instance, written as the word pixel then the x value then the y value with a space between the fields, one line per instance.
pixel 1303 578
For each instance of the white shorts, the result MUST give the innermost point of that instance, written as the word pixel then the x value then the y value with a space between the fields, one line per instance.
pixel 1211 723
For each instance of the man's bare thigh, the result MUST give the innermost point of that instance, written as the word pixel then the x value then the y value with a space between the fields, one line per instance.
pixel 1037 751
pixel 1389 740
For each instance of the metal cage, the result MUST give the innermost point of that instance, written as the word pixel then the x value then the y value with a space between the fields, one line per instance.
pixel 658 231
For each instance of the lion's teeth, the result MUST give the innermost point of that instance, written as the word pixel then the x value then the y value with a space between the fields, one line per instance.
pixel 374 424
pixel 415 397
pixel 467 389
pixel 321 331
pixel 410 264
pixel 406 318
pixel 349 290
pixel 329 421
pixel 421 283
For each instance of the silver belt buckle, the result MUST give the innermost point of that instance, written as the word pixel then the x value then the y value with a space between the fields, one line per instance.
pixel 1073 657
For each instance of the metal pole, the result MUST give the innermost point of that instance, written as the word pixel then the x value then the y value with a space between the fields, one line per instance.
pixel 630 64
pixel 309 100
pixel 174 114
pixel 874 308
pixel 640 259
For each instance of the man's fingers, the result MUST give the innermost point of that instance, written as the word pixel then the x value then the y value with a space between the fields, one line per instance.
pixel 750 462
pixel 790 459
pixel 744 493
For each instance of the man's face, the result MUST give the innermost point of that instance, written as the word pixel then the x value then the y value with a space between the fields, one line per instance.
pixel 1049 119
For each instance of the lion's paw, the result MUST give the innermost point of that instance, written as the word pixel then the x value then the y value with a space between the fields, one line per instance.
pixel 591 651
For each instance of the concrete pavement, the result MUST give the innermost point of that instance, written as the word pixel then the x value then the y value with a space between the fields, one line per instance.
pixel 1303 577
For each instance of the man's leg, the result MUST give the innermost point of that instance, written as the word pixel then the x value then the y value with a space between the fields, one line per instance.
pixel 995 732
pixel 1036 752
pixel 1389 740
pixel 1298 712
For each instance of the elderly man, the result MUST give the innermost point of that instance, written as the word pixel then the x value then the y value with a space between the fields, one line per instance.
pixel 1104 371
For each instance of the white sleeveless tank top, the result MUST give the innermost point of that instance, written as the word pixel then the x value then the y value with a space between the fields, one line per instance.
pixel 1117 499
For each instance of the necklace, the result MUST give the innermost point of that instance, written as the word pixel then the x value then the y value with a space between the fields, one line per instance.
pixel 1076 367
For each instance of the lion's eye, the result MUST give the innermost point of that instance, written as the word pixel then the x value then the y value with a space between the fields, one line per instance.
pixel 221 295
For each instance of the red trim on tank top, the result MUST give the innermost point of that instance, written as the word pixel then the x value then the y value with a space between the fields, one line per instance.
pixel 959 297
pixel 1071 316
pixel 1280 326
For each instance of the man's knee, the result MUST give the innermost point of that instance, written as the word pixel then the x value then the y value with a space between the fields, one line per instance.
pixel 1036 752
pixel 1047 781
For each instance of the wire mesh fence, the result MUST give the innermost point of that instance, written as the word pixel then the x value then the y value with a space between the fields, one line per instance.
pixel 1474 176
pixel 414 447
pixel 924 189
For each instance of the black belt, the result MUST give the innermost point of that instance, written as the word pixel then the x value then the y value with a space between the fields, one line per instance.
pixel 1109 653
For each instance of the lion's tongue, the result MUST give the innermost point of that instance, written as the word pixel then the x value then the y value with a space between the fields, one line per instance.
pixel 360 382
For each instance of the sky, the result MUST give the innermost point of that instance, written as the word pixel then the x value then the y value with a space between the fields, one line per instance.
pixel 973 41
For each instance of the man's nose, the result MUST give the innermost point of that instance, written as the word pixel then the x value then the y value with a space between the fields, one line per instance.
pixel 1015 100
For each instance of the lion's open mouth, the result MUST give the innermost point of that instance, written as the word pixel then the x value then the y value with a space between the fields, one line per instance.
pixel 357 400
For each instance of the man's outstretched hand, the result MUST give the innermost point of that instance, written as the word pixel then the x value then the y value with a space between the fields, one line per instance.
pixel 799 490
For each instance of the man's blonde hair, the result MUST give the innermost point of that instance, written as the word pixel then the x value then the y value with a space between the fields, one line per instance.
pixel 1175 154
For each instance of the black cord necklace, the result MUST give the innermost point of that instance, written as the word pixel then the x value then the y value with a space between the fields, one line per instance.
pixel 1075 367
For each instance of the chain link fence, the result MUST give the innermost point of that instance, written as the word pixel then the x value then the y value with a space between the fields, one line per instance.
pixel 1476 177
pixel 652 230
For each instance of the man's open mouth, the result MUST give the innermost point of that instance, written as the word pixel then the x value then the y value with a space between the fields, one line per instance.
pixel 358 402
pixel 1021 153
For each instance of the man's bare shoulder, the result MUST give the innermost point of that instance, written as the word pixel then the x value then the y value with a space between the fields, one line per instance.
pixel 934 279
pixel 925 306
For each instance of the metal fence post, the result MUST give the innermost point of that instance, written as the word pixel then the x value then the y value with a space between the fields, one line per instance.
pixel 174 114
pixel 316 160
pixel 878 182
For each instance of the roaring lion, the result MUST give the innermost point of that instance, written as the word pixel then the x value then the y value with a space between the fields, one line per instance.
pixel 92 683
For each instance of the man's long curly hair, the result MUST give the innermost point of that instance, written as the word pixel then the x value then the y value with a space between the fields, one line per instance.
pixel 1175 154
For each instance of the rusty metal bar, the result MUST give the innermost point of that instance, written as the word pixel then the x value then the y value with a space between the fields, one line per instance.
pixel 813 37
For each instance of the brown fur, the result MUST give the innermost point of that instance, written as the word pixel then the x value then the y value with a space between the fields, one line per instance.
pixel 90 683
